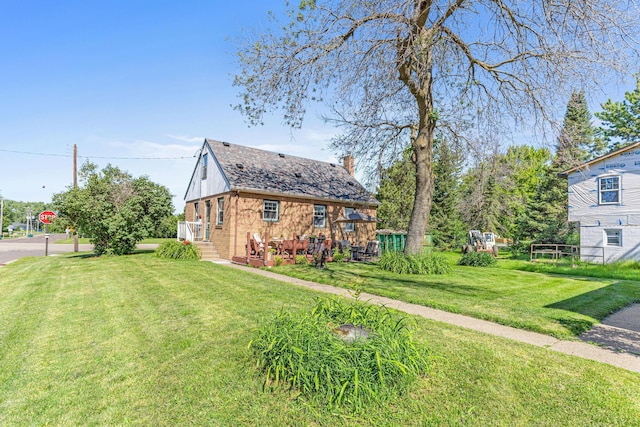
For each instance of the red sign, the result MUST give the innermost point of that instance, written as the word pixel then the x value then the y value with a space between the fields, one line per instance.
pixel 47 216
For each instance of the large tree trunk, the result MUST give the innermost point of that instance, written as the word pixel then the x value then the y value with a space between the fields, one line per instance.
pixel 422 145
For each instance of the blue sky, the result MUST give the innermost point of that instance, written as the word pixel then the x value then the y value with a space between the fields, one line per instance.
pixel 128 79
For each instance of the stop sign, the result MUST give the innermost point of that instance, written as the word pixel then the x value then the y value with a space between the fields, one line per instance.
pixel 47 216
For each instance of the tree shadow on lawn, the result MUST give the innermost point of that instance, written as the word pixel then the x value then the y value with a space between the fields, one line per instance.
pixel 597 304
pixel 88 255
pixel 375 282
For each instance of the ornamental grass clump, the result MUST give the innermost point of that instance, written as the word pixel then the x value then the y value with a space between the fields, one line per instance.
pixel 178 250
pixel 424 263
pixel 314 353
pixel 477 259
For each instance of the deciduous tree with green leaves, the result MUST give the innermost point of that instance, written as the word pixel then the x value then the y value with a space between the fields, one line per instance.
pixel 392 72
pixel 114 209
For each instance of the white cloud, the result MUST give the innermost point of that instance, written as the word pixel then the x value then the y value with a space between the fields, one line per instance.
pixel 143 148
pixel 189 139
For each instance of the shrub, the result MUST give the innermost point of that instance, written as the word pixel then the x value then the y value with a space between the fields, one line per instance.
pixel 305 350
pixel 302 259
pixel 424 263
pixel 178 250
pixel 477 259
pixel 278 260
pixel 338 256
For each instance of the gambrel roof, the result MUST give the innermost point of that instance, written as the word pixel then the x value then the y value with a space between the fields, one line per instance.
pixel 251 170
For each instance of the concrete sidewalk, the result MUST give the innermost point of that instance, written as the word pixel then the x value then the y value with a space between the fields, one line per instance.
pixel 575 348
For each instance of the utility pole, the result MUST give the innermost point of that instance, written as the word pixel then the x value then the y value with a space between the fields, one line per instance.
pixel 75 186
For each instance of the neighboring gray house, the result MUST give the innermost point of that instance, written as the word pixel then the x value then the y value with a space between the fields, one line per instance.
pixel 604 197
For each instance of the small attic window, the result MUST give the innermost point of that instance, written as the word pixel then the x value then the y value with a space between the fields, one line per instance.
pixel 241 166
pixel 332 165
pixel 298 175
pixel 226 144
pixel 350 183
pixel 281 155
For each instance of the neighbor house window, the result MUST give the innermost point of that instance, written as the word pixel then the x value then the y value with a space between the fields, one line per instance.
pixel 271 210
pixel 349 227
pixel 613 237
pixel 609 190
pixel 205 162
pixel 220 213
pixel 319 216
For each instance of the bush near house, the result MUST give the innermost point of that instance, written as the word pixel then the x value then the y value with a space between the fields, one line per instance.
pixel 178 250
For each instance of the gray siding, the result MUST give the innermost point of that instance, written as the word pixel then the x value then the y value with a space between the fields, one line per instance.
pixel 595 218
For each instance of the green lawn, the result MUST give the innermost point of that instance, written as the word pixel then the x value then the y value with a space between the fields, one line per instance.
pixel 143 341
pixel 559 305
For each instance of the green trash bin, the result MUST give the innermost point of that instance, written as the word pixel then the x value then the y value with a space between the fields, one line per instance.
pixel 391 240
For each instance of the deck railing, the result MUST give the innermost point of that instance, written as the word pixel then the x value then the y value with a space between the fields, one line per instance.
pixel 191 231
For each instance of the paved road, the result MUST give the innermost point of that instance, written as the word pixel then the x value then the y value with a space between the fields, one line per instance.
pixel 12 249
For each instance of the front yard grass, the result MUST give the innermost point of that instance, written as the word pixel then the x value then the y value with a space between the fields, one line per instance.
pixel 138 340
pixel 558 305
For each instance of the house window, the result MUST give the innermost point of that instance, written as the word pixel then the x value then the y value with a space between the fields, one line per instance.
pixel 205 162
pixel 220 213
pixel 613 237
pixel 271 210
pixel 319 216
pixel 349 227
pixel 609 190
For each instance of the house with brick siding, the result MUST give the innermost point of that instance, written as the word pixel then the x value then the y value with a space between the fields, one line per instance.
pixel 604 198
pixel 237 191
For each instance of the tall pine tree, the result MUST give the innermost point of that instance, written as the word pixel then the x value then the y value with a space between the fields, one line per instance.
pixel 548 219
pixel 621 120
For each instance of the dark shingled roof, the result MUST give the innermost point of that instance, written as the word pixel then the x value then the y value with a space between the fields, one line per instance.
pixel 251 169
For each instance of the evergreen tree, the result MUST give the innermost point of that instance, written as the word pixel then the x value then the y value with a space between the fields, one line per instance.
pixel 548 211
pixel 621 120
pixel 397 183
pixel 445 223
pixel 576 143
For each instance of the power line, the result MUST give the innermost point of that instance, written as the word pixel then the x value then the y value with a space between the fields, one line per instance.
pixel 96 157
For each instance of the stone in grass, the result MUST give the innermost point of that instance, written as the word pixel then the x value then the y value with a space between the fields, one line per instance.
pixel 349 333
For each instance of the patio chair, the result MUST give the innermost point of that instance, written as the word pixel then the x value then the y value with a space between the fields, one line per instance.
pixel 255 250
pixel 371 251
pixel 258 239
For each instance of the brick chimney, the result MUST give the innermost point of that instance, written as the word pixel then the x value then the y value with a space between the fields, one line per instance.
pixel 349 164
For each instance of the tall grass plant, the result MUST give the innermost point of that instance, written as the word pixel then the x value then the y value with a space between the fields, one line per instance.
pixel 307 350
pixel 424 263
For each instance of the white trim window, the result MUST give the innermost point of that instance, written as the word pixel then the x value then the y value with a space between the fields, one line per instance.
pixel 613 237
pixel 220 211
pixel 271 210
pixel 349 227
pixel 319 216
pixel 609 190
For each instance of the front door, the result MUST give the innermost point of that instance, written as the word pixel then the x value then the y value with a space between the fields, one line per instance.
pixel 207 219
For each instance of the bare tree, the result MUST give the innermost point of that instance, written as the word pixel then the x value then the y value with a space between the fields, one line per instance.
pixel 392 71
